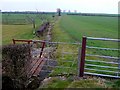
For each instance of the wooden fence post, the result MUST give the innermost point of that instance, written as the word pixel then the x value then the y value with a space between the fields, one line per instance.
pixel 43 45
pixel 13 41
pixel 82 58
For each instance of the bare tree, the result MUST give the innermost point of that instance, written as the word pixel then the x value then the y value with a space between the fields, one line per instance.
pixel 59 11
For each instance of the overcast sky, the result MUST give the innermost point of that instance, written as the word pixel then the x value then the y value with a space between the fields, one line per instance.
pixel 85 6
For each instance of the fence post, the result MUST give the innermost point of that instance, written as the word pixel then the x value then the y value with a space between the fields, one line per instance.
pixel 28 42
pixel 13 41
pixel 43 45
pixel 118 66
pixel 82 58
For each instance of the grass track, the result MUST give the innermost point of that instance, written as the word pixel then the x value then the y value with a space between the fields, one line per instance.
pixel 58 35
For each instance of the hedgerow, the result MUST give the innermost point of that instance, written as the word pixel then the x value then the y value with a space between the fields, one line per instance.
pixel 14 59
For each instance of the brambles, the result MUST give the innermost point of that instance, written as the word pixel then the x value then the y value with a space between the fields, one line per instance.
pixel 14 58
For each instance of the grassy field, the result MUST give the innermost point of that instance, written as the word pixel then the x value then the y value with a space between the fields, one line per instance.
pixel 16 32
pixel 19 26
pixel 77 26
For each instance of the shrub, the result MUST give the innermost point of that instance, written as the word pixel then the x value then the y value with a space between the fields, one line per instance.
pixel 14 58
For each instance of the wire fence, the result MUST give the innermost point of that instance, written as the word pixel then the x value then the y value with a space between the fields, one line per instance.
pixel 15 21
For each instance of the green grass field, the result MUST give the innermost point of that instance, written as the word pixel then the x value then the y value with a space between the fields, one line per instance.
pixel 16 32
pixel 78 26
pixel 75 27
pixel 18 26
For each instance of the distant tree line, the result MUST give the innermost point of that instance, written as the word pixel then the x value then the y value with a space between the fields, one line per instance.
pixel 94 14
pixel 28 12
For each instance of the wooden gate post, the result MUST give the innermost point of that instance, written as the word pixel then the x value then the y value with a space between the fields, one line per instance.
pixel 43 45
pixel 13 41
pixel 82 58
